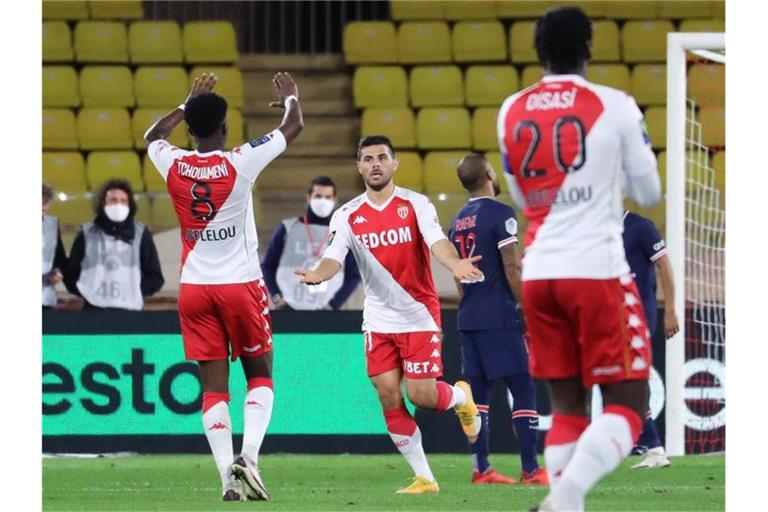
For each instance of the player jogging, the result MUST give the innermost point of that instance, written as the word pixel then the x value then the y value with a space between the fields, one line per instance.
pixel 569 148
pixel 646 252
pixel 223 305
pixel 490 327
pixel 391 232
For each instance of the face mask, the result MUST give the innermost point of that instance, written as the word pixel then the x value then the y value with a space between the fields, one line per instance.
pixel 117 212
pixel 321 207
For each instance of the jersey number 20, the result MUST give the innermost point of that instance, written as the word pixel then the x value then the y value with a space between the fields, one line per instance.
pixel 559 141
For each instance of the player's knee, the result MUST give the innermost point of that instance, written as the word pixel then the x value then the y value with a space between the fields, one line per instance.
pixel 389 397
pixel 632 394
pixel 422 397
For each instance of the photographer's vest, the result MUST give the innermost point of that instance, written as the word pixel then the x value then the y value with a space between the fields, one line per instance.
pixel 304 246
pixel 50 239
pixel 110 275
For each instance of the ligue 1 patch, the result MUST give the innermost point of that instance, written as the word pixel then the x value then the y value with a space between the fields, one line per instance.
pixel 261 140
pixel 402 211
pixel 511 226
pixel 330 237
pixel 644 130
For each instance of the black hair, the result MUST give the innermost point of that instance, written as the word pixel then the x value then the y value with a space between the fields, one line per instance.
pixel 100 199
pixel 562 38
pixel 47 193
pixel 374 140
pixel 471 171
pixel 205 114
pixel 322 181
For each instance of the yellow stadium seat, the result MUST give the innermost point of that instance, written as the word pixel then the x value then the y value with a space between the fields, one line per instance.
pixel 65 171
pixel 718 9
pixel 155 42
pixel 661 162
pixel 60 87
pixel 649 84
pixel 706 84
pixel 531 74
pixel 380 86
pixel 612 75
pixel 59 129
pixel 72 210
pixel 398 124
pixel 416 10
pixel 235 129
pixel 424 42
pixel 409 174
pixel 153 182
pixel 209 42
pixel 163 215
pixel 605 41
pixel 229 84
pixel 494 158
pixel 443 128
pixel 490 85
pixel 101 41
pixel 143 209
pixel 699 25
pixel 479 41
pixel 436 86
pixel 590 7
pixel 521 42
pixel 646 41
pixel 521 9
pixel 101 166
pixel 104 128
pixel 106 86
pixel 57 42
pixel 484 136
pixel 370 42
pixel 718 164
pixel 712 121
pixel 630 10
pixel 440 172
pixel 65 10
pixel 120 10
pixel 143 118
pixel 160 86
pixel 656 119
pixel 456 10
pixel 677 10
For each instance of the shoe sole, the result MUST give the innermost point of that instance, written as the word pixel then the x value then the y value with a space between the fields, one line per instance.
pixel 471 431
pixel 256 490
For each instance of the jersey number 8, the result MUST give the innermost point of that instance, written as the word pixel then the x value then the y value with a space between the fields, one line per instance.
pixel 202 207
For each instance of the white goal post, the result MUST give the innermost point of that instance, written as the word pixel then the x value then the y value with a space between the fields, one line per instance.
pixel 709 46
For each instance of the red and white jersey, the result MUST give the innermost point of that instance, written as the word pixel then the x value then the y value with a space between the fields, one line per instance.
pixel 391 244
pixel 211 194
pixel 569 147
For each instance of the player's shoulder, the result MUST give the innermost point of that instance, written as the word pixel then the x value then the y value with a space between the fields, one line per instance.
pixel 611 97
pixel 512 99
pixel 345 210
pixel 417 199
pixel 634 220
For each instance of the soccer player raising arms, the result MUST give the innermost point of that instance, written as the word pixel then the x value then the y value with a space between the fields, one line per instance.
pixel 391 231
pixel 223 305
pixel 569 147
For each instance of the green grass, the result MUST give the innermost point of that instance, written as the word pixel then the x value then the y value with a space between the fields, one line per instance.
pixel 354 482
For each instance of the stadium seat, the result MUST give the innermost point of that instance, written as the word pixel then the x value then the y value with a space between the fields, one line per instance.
pixel 157 86
pixel 521 9
pixel 143 118
pixel 656 119
pixel 457 10
pixel 436 86
pixel 65 171
pixel 649 84
pixel 163 215
pixel 479 41
pixel 612 75
pixel 59 129
pixel 155 42
pixel 106 86
pixel 490 85
pixel 531 74
pixel 153 182
pixel 699 25
pixel 60 87
pixel 120 10
pixel 661 162
pixel 630 10
pixel 646 41
pixel 235 129
pixel 65 10
pixel 380 86
pixel 521 43
pixel 484 136
pixel 440 172
pixel 443 128
pixel 718 9
pixel 101 166
pixel 605 41
pixel 207 42
pixel 229 83
pixel 677 10
pixel 101 42
pixel 706 84
pixel 712 121
pixel 72 210
pixel 57 42
pixel 104 128
pixel 416 10
pixel 398 124
pixel 409 171
pixel 718 164
pixel 494 158
pixel 370 42
pixel 424 42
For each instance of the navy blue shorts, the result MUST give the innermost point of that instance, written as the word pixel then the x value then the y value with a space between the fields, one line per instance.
pixel 493 353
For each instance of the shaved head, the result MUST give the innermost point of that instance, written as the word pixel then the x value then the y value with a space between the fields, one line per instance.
pixel 471 171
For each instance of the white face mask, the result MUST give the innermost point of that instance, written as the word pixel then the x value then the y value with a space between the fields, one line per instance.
pixel 321 207
pixel 117 212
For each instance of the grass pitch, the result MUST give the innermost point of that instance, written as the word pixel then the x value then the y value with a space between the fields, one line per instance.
pixel 355 482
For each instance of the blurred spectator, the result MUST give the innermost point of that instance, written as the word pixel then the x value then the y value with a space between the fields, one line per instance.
pixel 54 258
pixel 299 242
pixel 113 262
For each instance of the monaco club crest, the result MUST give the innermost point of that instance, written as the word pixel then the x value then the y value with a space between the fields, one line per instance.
pixel 402 211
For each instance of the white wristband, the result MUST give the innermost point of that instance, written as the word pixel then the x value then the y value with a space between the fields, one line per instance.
pixel 182 106
pixel 289 98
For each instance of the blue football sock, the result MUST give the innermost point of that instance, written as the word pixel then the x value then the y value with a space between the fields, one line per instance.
pixel 525 418
pixel 481 393
pixel 649 437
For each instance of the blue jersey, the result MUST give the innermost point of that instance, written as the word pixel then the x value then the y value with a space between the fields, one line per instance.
pixel 482 227
pixel 643 245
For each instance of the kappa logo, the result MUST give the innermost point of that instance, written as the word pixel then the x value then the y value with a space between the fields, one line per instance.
pixel 435 339
pixel 435 353
pixel 402 211
pixel 359 220
pixel 639 364
pixel 435 368
pixel 218 426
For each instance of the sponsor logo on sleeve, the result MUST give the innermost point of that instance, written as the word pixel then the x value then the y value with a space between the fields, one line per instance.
pixel 644 130
pixel 331 235
pixel 659 245
pixel 511 226
pixel 261 140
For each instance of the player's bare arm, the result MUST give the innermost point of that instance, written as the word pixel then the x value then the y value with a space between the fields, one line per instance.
pixel 165 125
pixel 288 94
pixel 462 269
pixel 512 270
pixel 664 268
pixel 326 269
